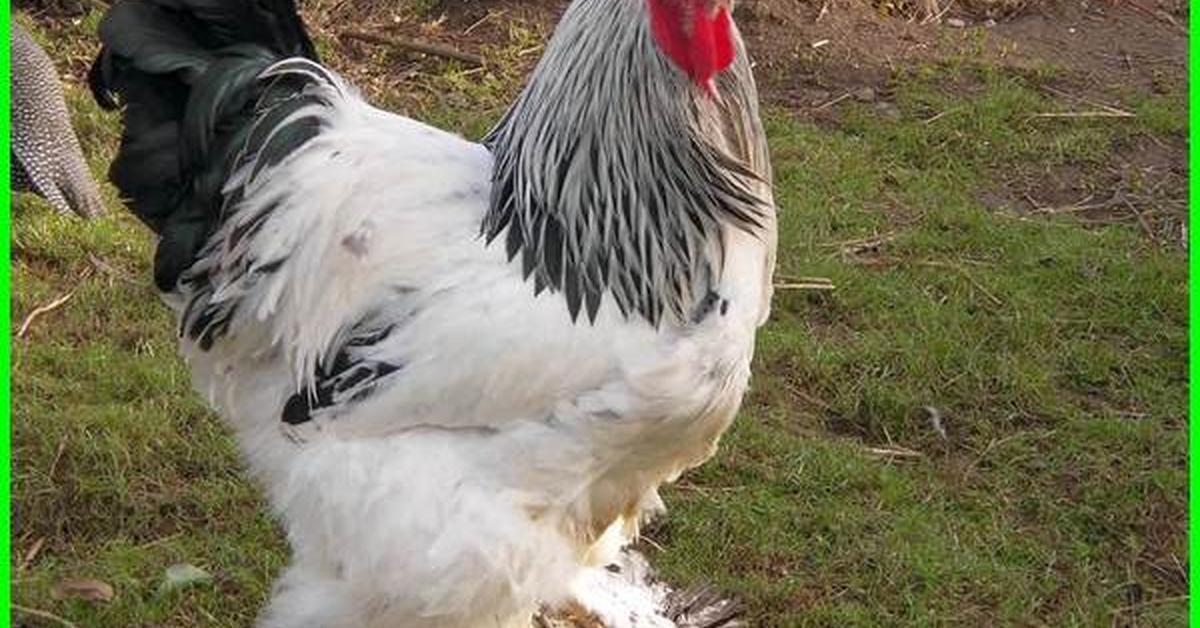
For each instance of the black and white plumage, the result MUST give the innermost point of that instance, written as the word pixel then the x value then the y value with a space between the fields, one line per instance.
pixel 46 157
pixel 460 370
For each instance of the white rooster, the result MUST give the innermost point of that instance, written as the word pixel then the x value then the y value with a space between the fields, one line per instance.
pixel 460 370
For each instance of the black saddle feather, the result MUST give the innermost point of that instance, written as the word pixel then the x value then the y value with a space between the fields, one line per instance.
pixel 188 74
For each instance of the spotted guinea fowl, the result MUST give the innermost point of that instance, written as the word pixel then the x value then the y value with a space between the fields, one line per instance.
pixel 46 158
pixel 460 370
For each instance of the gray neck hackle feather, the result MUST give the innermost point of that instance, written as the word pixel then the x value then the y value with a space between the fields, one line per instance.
pixel 616 175
pixel 46 157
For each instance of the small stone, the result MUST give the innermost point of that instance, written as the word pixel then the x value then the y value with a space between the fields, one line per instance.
pixel 887 110
pixel 955 22
pixel 865 94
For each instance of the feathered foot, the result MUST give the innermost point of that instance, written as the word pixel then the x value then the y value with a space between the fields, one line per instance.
pixel 627 594
pixel 703 606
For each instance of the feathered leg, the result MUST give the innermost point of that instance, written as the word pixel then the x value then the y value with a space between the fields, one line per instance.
pixel 307 598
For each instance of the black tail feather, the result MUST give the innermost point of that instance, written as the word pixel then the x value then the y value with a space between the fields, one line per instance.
pixel 187 74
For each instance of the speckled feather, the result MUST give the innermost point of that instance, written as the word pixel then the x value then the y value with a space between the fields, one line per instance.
pixel 599 192
pixel 46 157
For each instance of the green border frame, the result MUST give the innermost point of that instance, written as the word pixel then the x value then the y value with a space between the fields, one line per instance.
pixel 5 355
pixel 1193 311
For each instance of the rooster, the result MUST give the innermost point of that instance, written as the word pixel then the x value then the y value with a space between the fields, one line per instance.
pixel 460 370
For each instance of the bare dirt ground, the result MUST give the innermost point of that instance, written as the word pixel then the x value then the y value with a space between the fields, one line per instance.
pixel 809 49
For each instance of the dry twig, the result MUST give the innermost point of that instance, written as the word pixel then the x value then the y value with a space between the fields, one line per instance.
pixel 853 247
pixel 795 390
pixel 1079 206
pixel 43 309
pixel 894 452
pixel 966 275
pixel 1081 99
pixel 31 553
pixel 415 46
pixel 1159 15
pixel 44 615
pixel 62 447
pixel 817 283
pixel 1086 114
pixel 824 11
pixel 1141 220
pixel 933 15
pixel 833 102
pixel 489 15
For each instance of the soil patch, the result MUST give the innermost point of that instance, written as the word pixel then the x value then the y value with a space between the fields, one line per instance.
pixel 1144 185
pixel 808 53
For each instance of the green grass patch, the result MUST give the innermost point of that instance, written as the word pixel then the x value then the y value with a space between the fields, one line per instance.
pixel 1054 355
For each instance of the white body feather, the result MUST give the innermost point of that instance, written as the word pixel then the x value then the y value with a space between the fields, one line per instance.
pixel 477 484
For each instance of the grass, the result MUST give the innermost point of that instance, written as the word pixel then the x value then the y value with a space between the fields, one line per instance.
pixel 1052 348
pixel 1054 354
